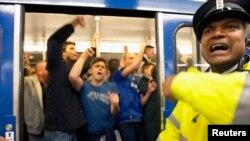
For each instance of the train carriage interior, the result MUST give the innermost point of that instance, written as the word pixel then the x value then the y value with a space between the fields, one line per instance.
pixel 116 32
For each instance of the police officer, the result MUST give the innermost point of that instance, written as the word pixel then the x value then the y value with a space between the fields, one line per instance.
pixel 222 30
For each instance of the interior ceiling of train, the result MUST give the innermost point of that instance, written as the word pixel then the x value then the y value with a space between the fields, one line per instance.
pixel 116 32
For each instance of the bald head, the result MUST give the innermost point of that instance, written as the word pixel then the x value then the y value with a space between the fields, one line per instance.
pixel 41 72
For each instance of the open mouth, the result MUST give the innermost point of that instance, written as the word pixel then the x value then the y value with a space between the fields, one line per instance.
pixel 218 47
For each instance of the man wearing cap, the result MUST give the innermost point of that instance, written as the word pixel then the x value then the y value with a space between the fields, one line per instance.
pixel 222 30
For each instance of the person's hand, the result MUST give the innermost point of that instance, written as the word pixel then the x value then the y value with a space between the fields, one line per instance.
pixel 2 139
pixel 79 21
pixel 166 86
pixel 96 36
pixel 125 49
pixel 113 98
pixel 94 39
pixel 151 86
pixel 88 53
pixel 114 103
pixel 142 47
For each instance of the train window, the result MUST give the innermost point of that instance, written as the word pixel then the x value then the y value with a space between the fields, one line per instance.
pixel 188 50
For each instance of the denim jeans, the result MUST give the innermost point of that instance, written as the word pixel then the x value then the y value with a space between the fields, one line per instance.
pixel 60 136
pixel 107 134
pixel 132 131
pixel 36 137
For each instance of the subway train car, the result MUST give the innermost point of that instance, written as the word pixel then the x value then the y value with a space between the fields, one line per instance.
pixel 26 25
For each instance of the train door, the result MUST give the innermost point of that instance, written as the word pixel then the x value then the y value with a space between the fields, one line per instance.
pixel 10 41
pixel 178 49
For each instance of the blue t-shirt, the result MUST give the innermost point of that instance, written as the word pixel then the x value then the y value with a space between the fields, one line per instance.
pixel 130 102
pixel 95 103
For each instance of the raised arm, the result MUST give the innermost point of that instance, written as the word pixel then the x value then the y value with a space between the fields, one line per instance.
pixel 75 73
pixel 93 46
pixel 136 62
pixel 205 92
pixel 114 103
pixel 151 88
pixel 121 63
pixel 56 40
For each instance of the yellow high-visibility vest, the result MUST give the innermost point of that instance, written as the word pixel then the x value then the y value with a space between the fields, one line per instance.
pixel 201 97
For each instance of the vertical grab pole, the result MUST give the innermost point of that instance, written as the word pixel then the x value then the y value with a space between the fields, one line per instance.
pixel 44 47
pixel 97 19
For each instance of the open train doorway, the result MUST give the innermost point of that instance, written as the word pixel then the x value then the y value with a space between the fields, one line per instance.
pixel 116 33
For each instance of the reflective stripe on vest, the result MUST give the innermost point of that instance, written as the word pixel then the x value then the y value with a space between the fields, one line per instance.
pixel 242 114
pixel 182 138
pixel 176 123
pixel 158 139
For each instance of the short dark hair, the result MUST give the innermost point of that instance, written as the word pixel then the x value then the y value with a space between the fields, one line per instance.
pixel 113 64
pixel 67 43
pixel 147 47
pixel 145 66
pixel 98 59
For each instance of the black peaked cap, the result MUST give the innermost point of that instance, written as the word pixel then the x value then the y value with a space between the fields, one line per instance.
pixel 207 13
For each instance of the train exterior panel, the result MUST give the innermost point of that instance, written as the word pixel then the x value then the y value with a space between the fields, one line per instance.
pixel 6 68
pixel 170 15
pixel 174 6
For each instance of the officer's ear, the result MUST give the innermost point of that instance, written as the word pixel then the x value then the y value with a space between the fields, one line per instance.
pixel 248 43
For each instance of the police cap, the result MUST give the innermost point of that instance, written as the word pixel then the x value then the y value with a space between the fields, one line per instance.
pixel 208 12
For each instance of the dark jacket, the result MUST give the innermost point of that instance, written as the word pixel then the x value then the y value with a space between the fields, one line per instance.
pixel 63 110
pixel 145 60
